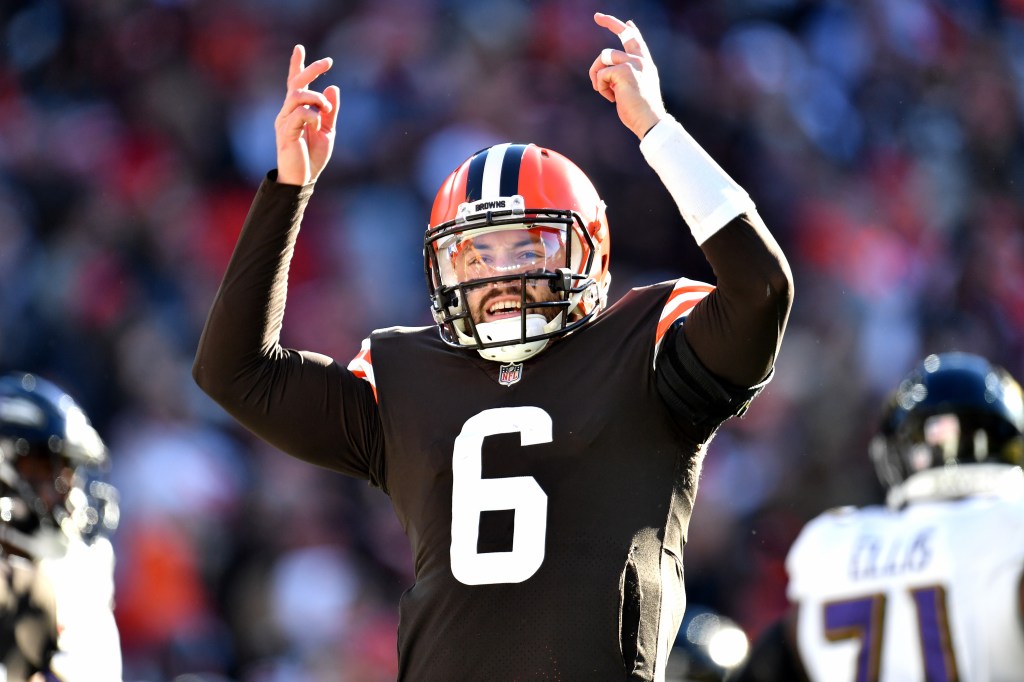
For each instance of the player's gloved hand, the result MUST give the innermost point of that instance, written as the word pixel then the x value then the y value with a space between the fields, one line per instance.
pixel 628 77
pixel 305 125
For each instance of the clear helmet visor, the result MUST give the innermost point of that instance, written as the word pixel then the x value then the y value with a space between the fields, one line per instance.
pixel 509 285
pixel 510 250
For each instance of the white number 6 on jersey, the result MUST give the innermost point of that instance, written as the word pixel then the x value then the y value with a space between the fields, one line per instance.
pixel 472 495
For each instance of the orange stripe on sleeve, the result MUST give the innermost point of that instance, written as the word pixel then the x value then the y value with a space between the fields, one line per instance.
pixel 362 366
pixel 686 294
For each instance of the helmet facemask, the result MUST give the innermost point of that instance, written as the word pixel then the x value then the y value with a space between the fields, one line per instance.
pixel 507 281
pixel 524 221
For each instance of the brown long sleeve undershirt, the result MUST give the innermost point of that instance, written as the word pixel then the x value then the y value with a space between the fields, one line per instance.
pixel 240 363
pixel 737 330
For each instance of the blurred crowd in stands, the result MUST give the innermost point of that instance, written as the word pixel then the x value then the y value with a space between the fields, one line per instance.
pixel 883 141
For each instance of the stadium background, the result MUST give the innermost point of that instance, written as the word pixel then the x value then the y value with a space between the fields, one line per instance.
pixel 881 139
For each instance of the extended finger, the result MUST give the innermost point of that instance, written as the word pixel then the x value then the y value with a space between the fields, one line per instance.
pixel 631 34
pixel 296 63
pixel 310 73
pixel 626 31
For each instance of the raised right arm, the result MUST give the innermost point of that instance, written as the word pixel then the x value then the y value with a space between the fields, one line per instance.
pixel 301 402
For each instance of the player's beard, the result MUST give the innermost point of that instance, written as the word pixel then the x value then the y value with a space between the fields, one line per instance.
pixel 534 294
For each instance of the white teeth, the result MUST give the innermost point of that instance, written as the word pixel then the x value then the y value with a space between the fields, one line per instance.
pixel 505 307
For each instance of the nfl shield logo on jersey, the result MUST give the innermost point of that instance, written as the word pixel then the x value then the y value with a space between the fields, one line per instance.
pixel 510 373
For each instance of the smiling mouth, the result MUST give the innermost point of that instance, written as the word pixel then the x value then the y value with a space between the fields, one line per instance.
pixel 502 309
pixel 507 302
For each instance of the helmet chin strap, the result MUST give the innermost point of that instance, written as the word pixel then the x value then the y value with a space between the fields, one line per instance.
pixel 507 330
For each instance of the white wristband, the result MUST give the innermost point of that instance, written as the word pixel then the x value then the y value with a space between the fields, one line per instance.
pixel 705 194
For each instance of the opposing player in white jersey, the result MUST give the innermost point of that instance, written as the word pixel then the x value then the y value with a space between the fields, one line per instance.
pixel 929 586
pixel 56 610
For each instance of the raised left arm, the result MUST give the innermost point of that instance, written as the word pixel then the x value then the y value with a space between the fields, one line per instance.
pixel 736 331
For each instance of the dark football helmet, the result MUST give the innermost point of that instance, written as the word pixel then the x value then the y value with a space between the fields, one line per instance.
pixel 519 233
pixel 52 463
pixel 952 409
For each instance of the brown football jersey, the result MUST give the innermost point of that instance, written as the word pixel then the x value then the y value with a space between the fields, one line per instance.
pixel 546 502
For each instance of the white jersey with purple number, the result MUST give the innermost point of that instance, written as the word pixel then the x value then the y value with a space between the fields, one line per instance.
pixel 926 591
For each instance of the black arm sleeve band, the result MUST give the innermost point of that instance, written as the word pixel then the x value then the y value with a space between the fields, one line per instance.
pixel 771 659
pixel 691 391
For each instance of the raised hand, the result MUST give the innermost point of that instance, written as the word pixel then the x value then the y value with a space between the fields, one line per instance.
pixel 305 126
pixel 628 77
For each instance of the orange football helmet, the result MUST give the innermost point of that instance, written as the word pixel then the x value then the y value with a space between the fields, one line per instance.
pixel 521 229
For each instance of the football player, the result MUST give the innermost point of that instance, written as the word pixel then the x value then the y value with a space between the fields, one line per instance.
pixel 541 448
pixel 56 513
pixel 928 586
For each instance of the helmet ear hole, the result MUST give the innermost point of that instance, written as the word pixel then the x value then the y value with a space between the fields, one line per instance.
pixel 445 299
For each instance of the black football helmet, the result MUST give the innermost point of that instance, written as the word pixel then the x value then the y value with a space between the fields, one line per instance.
pixel 52 463
pixel 952 409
